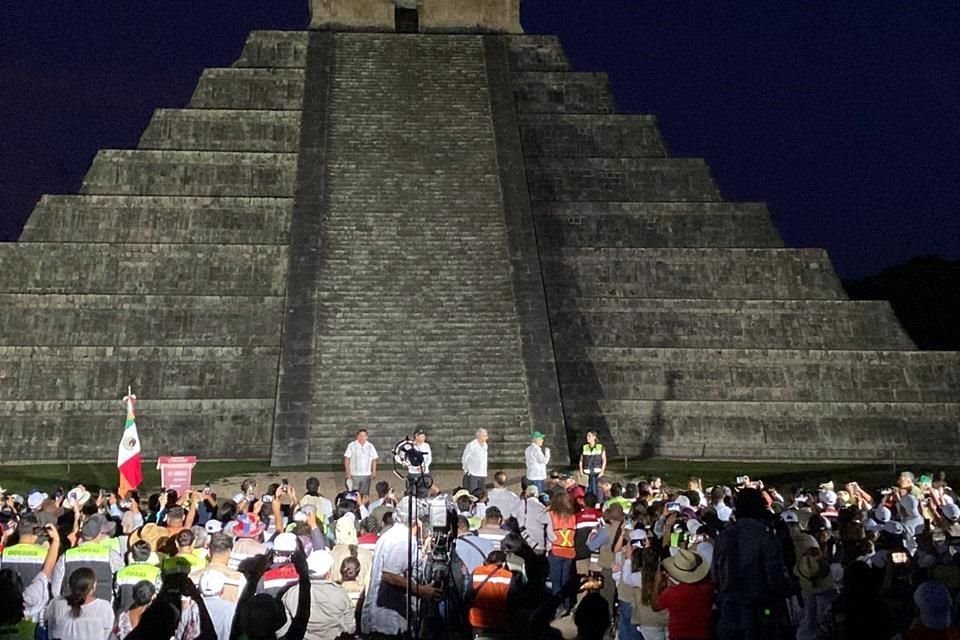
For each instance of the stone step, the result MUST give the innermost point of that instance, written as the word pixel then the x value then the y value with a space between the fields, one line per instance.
pixel 537 53
pixel 757 375
pixel 139 320
pixel 653 224
pixel 274 49
pixel 237 88
pixel 788 431
pixel 223 130
pixel 97 268
pixel 89 430
pixel 102 373
pixel 735 324
pixel 691 273
pixel 159 219
pixel 191 173
pixel 590 135
pixel 562 92
pixel 621 179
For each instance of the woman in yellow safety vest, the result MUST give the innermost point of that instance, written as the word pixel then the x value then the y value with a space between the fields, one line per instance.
pixel 593 463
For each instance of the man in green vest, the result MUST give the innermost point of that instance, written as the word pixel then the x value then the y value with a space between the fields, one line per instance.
pixel 94 553
pixel 138 570
pixel 593 462
pixel 33 562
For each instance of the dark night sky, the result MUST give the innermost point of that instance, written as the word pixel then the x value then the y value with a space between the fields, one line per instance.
pixel 844 117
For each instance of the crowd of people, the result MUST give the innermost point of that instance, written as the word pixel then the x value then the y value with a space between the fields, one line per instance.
pixel 569 555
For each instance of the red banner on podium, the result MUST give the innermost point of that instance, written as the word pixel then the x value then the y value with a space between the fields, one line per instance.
pixel 176 472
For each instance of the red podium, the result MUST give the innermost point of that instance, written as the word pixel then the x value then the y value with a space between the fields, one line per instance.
pixel 176 472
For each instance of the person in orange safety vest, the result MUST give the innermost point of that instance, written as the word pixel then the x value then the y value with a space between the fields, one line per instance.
pixel 491 587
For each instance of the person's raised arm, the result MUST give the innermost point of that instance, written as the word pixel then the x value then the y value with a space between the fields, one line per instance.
pixel 192 510
pixel 275 509
pixel 53 552
pixel 298 626
pixel 659 586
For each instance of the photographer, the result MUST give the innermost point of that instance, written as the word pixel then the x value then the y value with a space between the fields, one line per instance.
pixel 385 608
pixel 33 580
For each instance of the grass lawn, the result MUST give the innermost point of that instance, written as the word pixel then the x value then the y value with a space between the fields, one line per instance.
pixel 21 478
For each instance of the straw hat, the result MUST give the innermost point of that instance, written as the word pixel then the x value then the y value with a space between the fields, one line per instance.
pixel 687 567
pixel 151 533
pixel 814 575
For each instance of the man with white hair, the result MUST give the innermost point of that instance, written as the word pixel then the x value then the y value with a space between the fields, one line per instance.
pixel 331 609
pixel 474 462
pixel 385 607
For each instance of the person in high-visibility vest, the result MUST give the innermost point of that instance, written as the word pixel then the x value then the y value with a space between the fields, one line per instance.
pixel 491 587
pixel 593 462
pixel 561 535
pixel 139 569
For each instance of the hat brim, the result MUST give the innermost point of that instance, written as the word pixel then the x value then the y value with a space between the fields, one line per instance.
pixel 237 531
pixel 687 577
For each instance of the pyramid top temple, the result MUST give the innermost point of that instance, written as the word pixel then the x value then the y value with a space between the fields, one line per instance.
pixel 417 16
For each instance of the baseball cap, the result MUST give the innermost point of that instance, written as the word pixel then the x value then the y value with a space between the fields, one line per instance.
pixel 285 543
pixel 790 517
pixel 536 435
pixel 320 562
pixel 92 527
pixel 213 526
pixel 951 512
pixel 35 499
pixel 419 432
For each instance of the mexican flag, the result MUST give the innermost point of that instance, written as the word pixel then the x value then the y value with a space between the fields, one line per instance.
pixel 128 453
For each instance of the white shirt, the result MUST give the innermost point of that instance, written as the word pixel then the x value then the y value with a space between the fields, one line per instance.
pixel 95 621
pixel 537 460
pixel 427 459
pixel 361 457
pixel 504 500
pixel 221 614
pixel 531 513
pixel 389 555
pixel 474 459
pixel 472 550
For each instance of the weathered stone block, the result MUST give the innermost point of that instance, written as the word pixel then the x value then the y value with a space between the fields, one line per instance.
pixel 621 179
pixel 274 49
pixel 245 88
pixel 137 320
pixel 251 270
pixel 223 130
pixel 191 173
pixel 157 373
pixel 562 92
pixel 215 429
pixel 654 224
pixel 579 135
pixel 159 219
pixel 537 53
pixel 741 324
pixel 692 273
pixel 755 375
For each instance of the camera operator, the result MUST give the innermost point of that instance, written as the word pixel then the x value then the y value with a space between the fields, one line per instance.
pixel 385 609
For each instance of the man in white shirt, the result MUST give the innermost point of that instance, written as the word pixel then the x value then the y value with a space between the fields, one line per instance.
pixel 537 457
pixel 501 497
pixel 474 462
pixel 533 518
pixel 360 463
pixel 416 473
pixel 212 584
pixel 384 608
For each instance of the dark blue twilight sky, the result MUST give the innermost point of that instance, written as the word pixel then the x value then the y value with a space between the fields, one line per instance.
pixel 844 117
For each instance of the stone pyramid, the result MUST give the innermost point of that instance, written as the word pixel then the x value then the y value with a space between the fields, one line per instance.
pixel 352 227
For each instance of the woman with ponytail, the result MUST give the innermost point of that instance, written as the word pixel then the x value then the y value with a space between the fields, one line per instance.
pixel 79 615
